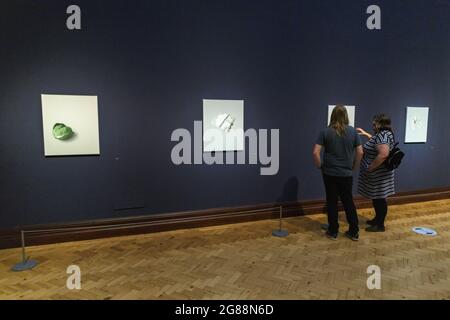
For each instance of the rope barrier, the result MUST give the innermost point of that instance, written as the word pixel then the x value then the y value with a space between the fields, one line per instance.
pixel 27 264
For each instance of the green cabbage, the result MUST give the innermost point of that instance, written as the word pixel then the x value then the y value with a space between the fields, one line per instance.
pixel 62 132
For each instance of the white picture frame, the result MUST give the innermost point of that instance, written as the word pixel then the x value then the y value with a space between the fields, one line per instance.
pixel 223 125
pixel 77 112
pixel 416 128
pixel 351 114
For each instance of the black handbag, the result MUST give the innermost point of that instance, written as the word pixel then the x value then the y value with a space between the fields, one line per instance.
pixel 394 158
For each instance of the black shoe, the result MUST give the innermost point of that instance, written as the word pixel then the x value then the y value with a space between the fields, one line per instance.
pixel 371 222
pixel 375 229
pixel 332 236
pixel 352 236
pixel 324 226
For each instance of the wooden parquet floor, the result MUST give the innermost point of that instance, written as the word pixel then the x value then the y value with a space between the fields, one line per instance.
pixel 243 261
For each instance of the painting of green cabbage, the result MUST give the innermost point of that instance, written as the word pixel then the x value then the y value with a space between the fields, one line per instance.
pixel 70 125
pixel 62 132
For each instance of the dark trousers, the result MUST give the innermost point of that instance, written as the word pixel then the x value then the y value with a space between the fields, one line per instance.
pixel 381 208
pixel 340 187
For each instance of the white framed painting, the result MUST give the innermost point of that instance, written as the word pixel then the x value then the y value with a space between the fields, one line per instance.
pixel 223 125
pixel 350 111
pixel 416 124
pixel 70 124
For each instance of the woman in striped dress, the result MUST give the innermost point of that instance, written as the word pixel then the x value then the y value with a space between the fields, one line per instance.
pixel 375 181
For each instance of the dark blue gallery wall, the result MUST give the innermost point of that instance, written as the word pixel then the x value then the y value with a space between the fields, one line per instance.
pixel 152 62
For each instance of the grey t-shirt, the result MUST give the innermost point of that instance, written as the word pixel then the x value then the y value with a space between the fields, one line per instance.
pixel 339 152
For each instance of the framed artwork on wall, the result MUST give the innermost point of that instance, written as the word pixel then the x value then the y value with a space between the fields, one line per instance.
pixel 416 124
pixel 350 111
pixel 70 125
pixel 223 125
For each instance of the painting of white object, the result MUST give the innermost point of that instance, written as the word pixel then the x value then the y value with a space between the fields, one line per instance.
pixel 416 124
pixel 70 125
pixel 350 112
pixel 223 125
pixel 224 122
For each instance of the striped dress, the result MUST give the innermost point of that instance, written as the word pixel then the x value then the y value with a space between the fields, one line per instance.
pixel 378 184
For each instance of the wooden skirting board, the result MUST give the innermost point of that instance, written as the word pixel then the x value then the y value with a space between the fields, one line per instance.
pixel 94 229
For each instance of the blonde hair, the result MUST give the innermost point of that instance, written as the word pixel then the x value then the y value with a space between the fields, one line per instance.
pixel 339 119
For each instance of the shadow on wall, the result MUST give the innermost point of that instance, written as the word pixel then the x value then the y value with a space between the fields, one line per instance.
pixel 289 199
pixel 290 191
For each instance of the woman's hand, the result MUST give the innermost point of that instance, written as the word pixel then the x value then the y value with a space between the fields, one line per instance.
pixel 363 132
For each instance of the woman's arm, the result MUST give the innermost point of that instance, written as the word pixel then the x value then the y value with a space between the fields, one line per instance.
pixel 358 156
pixel 316 155
pixel 383 153
pixel 363 132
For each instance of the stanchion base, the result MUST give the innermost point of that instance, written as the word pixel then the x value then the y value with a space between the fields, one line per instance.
pixel 280 233
pixel 27 265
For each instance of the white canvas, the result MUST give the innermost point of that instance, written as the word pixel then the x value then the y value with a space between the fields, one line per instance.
pixel 416 124
pixel 77 112
pixel 350 111
pixel 223 125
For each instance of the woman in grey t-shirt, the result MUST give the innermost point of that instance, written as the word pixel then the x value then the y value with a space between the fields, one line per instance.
pixel 342 153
